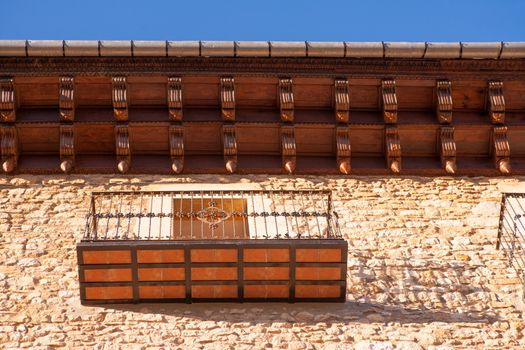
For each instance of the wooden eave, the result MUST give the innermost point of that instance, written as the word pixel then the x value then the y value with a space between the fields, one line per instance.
pixel 258 123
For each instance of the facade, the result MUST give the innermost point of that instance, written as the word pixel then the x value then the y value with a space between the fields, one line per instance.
pixel 105 142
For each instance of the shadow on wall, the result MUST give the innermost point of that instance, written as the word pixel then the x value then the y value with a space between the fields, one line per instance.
pixel 439 291
pixel 310 313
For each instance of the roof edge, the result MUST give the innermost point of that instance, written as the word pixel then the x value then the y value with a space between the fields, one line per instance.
pixel 141 48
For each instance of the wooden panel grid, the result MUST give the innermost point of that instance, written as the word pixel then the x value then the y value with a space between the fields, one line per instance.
pixel 228 270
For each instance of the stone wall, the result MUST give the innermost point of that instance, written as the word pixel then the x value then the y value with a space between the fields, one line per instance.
pixel 423 272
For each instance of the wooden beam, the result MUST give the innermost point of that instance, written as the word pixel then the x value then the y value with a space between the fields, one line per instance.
pixel 9 148
pixel 175 98
pixel 288 148
pixel 389 101
pixel 342 100
pixel 393 149
pixel 343 149
pixel 496 102
pixel 7 100
pixel 66 99
pixel 229 147
pixel 444 101
pixel 120 98
pixel 286 99
pixel 447 150
pixel 501 149
pixel 228 98
pixel 176 141
pixel 67 148
pixel 122 148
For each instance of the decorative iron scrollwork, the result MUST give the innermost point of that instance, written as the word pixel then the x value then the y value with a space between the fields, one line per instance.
pixel 212 215
pixel 228 98
pixel 230 148
pixel 393 149
pixel 67 148
pixel 496 102
pixel 447 151
pixel 176 139
pixel 66 99
pixel 175 98
pixel 120 98
pixel 288 148
pixel 343 149
pixel 342 100
pixel 7 100
pixel 9 148
pixel 286 100
pixel 389 98
pixel 123 150
pixel 501 149
pixel 444 101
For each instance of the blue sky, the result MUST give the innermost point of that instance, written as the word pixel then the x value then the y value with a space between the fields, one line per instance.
pixel 365 20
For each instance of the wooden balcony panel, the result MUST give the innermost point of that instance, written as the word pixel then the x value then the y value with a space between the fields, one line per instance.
pixel 266 255
pixel 267 291
pixel 318 291
pixel 318 255
pixel 96 257
pixel 110 272
pixel 160 256
pixel 107 275
pixel 162 292
pixel 266 273
pixel 161 274
pixel 214 292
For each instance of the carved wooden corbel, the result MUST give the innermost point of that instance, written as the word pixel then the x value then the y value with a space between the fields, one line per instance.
pixel 288 148
pixel 67 148
pixel 393 149
pixel 342 100
pixel 501 149
pixel 7 100
pixel 447 151
pixel 176 139
pixel 343 149
pixel 389 98
pixel 120 98
pixel 123 150
pixel 496 102
pixel 444 101
pixel 66 99
pixel 286 100
pixel 9 148
pixel 228 98
pixel 175 98
pixel 230 148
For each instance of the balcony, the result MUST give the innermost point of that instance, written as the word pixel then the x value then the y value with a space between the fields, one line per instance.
pixel 202 246
pixel 511 232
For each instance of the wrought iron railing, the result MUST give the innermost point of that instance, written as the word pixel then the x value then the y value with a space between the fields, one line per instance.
pixel 197 215
pixel 511 233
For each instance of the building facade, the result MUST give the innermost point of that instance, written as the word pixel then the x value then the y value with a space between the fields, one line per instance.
pixel 415 142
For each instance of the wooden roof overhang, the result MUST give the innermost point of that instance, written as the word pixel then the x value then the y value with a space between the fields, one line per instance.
pixel 219 114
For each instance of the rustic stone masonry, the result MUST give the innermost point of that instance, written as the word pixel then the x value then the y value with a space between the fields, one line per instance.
pixel 423 271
